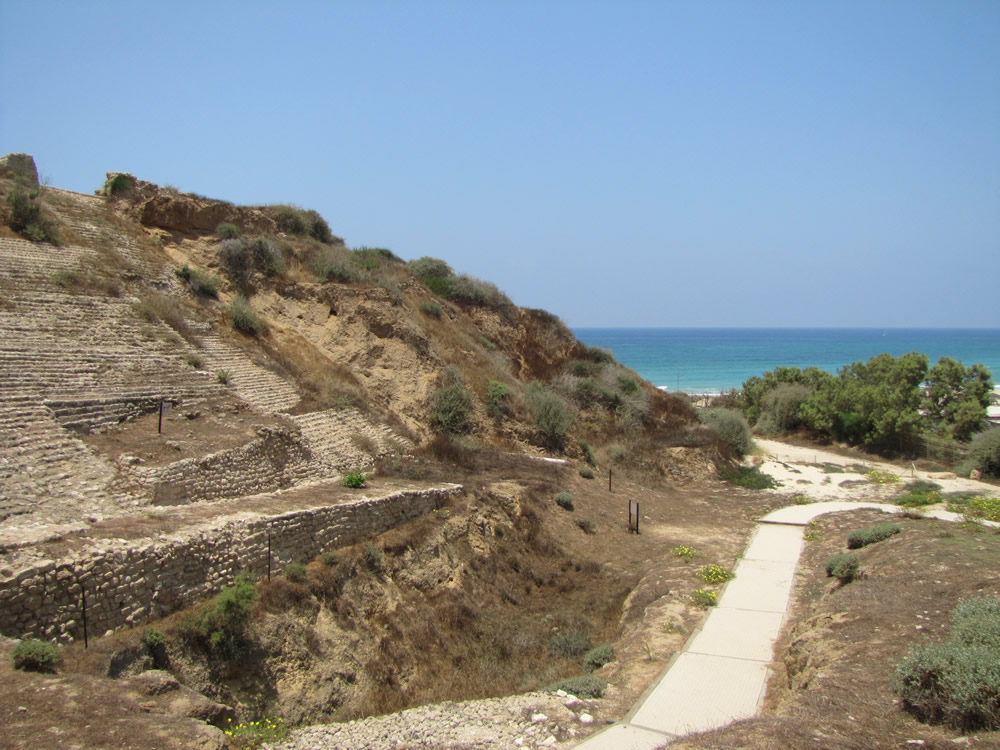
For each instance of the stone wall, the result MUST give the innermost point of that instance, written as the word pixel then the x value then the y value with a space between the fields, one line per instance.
pixel 275 460
pixel 126 584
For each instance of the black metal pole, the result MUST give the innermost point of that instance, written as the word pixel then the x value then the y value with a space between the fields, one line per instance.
pixel 609 479
pixel 637 518
pixel 159 425
pixel 83 606
pixel 268 553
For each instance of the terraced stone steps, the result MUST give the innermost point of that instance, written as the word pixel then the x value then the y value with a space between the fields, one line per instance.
pixel 259 387
pixel 337 439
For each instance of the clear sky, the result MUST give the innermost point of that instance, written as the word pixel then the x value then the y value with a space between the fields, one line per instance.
pixel 700 163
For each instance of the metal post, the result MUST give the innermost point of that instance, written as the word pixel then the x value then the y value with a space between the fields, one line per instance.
pixel 637 518
pixel 609 478
pixel 159 425
pixel 83 606
pixel 269 552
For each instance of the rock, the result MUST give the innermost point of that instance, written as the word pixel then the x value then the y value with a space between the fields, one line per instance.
pixel 586 718
pixel 19 165
pixel 538 718
pixel 976 474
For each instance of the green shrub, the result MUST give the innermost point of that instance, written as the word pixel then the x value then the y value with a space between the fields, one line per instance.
pixel 715 574
pixel 986 508
pixel 730 426
pixel 153 639
pixel 295 572
pixel 588 454
pixel 290 220
pixel 586 472
pixel 957 683
pixel 245 318
pixel 227 231
pixel 845 567
pixel 430 268
pixel 704 598
pixel 373 556
pixel 684 552
pixel 750 477
pixel 883 477
pixel 353 479
pixel 24 213
pixel 584 686
pixel 266 257
pixel 198 282
pixel 599 656
pixel 317 228
pixel 236 260
pixel 497 399
pixel 487 344
pixel 984 453
pixel 336 269
pixel 600 355
pixel 250 735
pixel 586 526
pixel 329 558
pixel 223 377
pixel 431 310
pixel 919 493
pixel 222 624
pixel 451 407
pixel 976 622
pixel 780 408
pixel 570 643
pixel 31 655
pixel 552 415
pixel 863 537
pixel 117 184
pixel 564 500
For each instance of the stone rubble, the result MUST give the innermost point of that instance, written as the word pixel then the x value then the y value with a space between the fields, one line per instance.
pixel 553 720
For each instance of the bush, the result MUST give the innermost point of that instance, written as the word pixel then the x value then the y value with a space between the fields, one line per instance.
pixel 883 477
pixel 295 572
pixel 24 213
pixel 249 735
pixel 564 500
pixel 715 574
pixel 845 567
pixel 570 643
pixel 222 624
pixel 986 508
pixel 585 686
pixel 353 479
pixel 780 408
pixel 154 639
pixel 452 405
pixel 730 426
pixel 117 184
pixel 599 656
pixel 266 257
pixel 431 310
pixel 497 399
pixel 245 318
pixel 588 454
pixel 31 655
pixel 329 558
pixel 704 598
pixel 750 477
pixel 957 683
pixel 236 261
pixel 227 231
pixel 198 282
pixel 684 552
pixel 552 415
pixel 373 556
pixel 290 220
pixel 586 472
pixel 331 268
pixel 879 532
pixel 430 268
pixel 919 493
pixel 223 377
pixel 586 526
pixel 984 453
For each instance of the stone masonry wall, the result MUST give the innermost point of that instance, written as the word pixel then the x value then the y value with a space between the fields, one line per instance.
pixel 275 460
pixel 126 584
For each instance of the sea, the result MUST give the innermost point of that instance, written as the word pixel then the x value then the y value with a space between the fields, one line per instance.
pixel 714 360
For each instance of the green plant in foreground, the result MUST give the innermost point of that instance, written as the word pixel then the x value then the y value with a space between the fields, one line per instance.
pixel 431 310
pixel 957 682
pixel 983 508
pixel 586 526
pixel 863 537
pixel 845 567
pixel 249 735
pixel 570 643
pixel 222 376
pixel 715 574
pixel 353 479
pixel 198 282
pixel 564 500
pixel 222 623
pixel 704 598
pixel 31 655
pixel 586 472
pixel 373 556
pixel 497 399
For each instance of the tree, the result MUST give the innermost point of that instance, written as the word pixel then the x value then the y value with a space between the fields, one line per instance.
pixel 956 398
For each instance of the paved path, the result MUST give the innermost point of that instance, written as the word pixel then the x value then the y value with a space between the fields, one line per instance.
pixel 721 674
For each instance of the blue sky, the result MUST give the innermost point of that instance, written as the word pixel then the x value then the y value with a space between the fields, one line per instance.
pixel 618 163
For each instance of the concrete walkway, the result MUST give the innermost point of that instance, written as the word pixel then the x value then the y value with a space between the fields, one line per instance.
pixel 721 673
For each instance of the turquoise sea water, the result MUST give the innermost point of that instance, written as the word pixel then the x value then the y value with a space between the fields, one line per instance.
pixel 711 360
